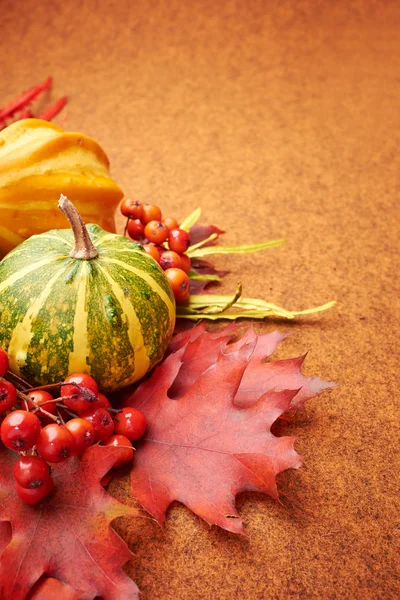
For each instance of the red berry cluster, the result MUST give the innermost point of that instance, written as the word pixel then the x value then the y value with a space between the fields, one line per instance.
pixel 163 240
pixel 45 429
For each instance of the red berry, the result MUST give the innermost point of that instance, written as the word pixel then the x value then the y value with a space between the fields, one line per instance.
pixel 178 240
pixel 46 400
pixel 20 430
pixel 4 365
pixel 135 229
pixel 55 443
pixel 131 208
pixel 31 471
pixel 153 251
pixel 179 283
pixel 156 232
pixel 102 401
pixel 130 422
pixel 83 433
pixel 102 422
pixel 170 260
pixel 84 396
pixel 186 263
pixel 8 395
pixel 126 453
pixel 151 212
pixel 170 222
pixel 35 495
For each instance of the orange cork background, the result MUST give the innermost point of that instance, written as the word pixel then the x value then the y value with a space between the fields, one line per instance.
pixel 278 119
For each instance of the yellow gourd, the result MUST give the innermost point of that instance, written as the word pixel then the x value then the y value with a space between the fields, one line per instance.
pixel 38 161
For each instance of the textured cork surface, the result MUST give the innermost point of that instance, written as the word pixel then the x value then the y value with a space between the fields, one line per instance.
pixel 278 119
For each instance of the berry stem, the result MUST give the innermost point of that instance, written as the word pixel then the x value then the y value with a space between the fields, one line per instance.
pixel 126 226
pixel 49 386
pixel 85 392
pixel 84 248
pixel 59 415
pixel 69 412
pixel 26 399
pixel 17 381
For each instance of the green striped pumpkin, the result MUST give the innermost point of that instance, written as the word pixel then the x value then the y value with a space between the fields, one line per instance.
pixel 111 316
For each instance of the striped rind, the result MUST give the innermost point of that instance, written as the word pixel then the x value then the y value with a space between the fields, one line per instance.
pixel 111 317
pixel 38 160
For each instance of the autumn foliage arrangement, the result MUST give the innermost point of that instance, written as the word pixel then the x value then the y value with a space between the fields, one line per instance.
pixel 182 251
pixel 209 408
pixel 46 429
pixel 199 428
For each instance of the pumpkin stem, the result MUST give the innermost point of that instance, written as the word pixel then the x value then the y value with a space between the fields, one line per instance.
pixel 84 247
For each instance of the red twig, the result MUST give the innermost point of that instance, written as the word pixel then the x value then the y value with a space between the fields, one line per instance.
pixel 64 118
pixel 25 114
pixel 24 99
pixel 52 111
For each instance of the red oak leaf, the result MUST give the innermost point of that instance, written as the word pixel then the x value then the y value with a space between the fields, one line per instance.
pixel 49 588
pixel 259 376
pixel 68 537
pixel 201 448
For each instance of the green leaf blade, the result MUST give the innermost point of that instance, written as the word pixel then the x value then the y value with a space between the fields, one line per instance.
pixel 191 220
pixel 221 306
pixel 241 249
